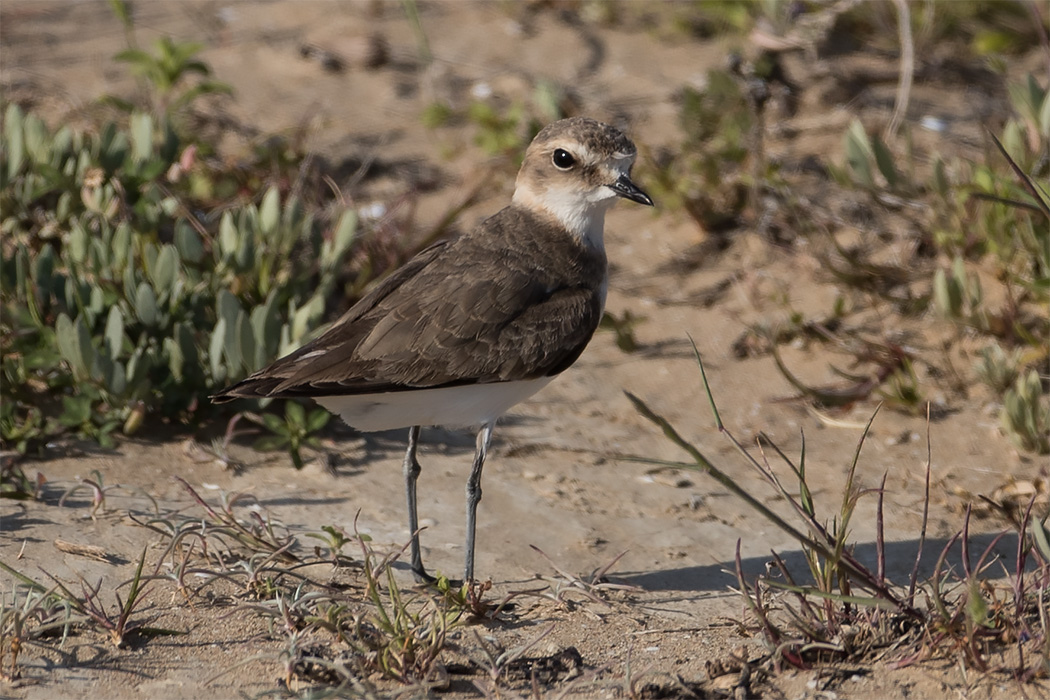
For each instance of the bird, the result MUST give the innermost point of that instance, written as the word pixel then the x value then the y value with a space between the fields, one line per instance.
pixel 472 325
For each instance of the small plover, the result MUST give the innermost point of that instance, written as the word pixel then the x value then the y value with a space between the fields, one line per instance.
pixel 472 326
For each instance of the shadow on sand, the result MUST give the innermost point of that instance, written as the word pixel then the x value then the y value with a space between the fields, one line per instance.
pixel 900 558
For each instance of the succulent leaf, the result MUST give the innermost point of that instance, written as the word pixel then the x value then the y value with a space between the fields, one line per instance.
pixel 244 341
pixel 859 154
pixel 96 303
pixel 37 140
pixel 141 136
pixel 884 161
pixel 215 346
pixel 113 147
pixel 317 419
pixel 175 358
pixel 266 327
pixel 146 304
pixel 295 414
pixel 66 337
pixel 114 333
pixel 187 344
pixel 333 250
pixel 270 211
pixel 121 247
pixel 188 243
pixel 165 269
pixel 245 258
pixel 306 317
pixel 13 133
pixel 228 236
pixel 44 272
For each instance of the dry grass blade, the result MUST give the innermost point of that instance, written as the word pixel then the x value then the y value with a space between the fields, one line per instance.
pixel 831 396
pixel 591 588
pixel 259 535
pixel 82 550
pixel 914 577
pixel 833 553
pixel 1037 192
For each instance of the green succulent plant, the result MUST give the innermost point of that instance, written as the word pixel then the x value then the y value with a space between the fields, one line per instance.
pixel 295 431
pixel 1025 417
pixel 118 303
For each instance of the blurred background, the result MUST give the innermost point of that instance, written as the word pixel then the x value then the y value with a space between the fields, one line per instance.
pixel 858 131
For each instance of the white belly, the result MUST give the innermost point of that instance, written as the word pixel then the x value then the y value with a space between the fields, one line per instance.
pixel 454 407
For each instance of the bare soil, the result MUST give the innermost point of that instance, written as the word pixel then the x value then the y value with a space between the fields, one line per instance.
pixel 553 480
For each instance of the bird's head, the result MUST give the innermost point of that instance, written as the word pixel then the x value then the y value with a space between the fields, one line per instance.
pixel 573 171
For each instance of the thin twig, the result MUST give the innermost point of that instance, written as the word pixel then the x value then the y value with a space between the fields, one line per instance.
pixel 907 69
pixel 925 513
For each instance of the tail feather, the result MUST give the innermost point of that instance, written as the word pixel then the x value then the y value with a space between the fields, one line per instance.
pixel 250 388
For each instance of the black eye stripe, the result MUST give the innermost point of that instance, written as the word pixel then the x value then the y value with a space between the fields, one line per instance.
pixel 562 159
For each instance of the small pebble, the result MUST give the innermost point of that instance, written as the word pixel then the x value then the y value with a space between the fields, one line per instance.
pixel 933 124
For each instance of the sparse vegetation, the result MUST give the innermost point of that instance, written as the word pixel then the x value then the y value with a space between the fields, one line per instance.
pixel 1026 414
pixel 114 321
pixel 841 609
pixel 501 128
pixel 121 303
pixel 987 222
pixel 33 610
pixel 708 175
pixel 297 430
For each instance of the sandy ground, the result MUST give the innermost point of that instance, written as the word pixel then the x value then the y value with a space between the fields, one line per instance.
pixel 553 479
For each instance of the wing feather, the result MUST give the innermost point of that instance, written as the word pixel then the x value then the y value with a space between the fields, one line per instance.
pixel 444 320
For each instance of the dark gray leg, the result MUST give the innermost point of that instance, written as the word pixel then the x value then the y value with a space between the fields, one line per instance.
pixel 474 495
pixel 412 469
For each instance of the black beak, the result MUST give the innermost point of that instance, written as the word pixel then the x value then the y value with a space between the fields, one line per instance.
pixel 628 190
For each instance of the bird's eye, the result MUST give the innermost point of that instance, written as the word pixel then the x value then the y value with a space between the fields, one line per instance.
pixel 563 160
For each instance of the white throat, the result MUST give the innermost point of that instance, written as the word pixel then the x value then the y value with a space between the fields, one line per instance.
pixel 582 214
